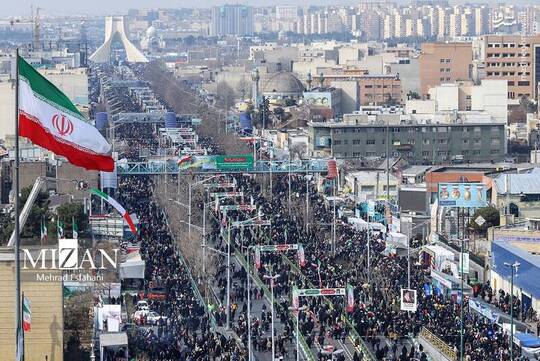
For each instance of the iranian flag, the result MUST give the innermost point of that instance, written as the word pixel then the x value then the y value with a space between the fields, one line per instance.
pixel 49 119
pixel 43 232
pixel 118 207
pixel 27 314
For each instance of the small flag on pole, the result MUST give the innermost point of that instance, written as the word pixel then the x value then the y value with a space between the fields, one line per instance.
pixel 350 298
pixel 27 314
pixel 301 256
pixel 60 229
pixel 257 257
pixel 75 229
pixel 43 232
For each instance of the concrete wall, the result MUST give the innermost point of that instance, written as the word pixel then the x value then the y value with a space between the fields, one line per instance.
pixel 409 75
pixel 491 96
pixel 446 97
pixel 7 108
pixel 69 171
pixel 73 82
pixel 349 95
pixel 46 335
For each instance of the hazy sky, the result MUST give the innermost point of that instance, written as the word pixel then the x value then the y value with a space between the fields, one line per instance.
pixel 93 7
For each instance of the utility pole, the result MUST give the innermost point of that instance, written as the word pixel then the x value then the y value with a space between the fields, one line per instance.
pixel 513 269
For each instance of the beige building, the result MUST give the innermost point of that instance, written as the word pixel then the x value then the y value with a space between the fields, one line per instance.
pixel 444 63
pixel 45 339
pixel 512 57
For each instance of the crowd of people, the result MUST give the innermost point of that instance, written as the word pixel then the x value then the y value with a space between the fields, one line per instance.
pixel 376 317
pixel 357 258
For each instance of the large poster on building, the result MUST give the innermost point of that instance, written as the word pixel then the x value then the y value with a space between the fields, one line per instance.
pixel 408 300
pixel 464 195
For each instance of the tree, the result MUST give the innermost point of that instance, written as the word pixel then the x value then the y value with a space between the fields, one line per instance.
pixel 38 213
pixel 491 216
pixel 413 95
pixel 69 211
pixel 77 323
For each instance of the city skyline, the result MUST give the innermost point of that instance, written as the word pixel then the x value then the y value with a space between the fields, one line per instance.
pixel 103 7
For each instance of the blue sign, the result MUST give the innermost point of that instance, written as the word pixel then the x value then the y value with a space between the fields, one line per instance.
pixel 465 195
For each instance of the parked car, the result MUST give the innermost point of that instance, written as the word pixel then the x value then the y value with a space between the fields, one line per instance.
pixel 142 306
pixel 138 316
pixel 153 318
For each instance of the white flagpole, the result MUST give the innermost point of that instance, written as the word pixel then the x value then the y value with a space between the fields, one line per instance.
pixel 19 336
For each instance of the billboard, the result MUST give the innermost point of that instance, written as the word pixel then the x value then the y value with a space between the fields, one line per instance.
pixel 408 300
pixel 465 195
pixel 231 162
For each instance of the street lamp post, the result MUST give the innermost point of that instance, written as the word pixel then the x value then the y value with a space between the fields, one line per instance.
pixel 228 276
pixel 513 269
pixel 272 278
pixel 297 312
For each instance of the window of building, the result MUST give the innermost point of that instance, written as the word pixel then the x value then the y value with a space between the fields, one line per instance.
pixel 448 61
pixel 441 70
pixel 476 152
pixel 494 151
pixel 465 141
pixel 523 83
pixel 337 142
pixel 356 154
pixel 448 70
pixel 477 141
pixel 425 141
pixel 442 61
pixel 370 154
pixel 468 107
pixel 370 141
pixel 441 79
pixel 443 141
pixel 465 129
pixel 425 153
pixel 447 79
pixel 468 97
pixel 356 141
pixel 367 86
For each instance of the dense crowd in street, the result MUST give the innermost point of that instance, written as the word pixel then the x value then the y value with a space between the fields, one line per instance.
pixel 376 316
pixel 186 333
pixel 376 319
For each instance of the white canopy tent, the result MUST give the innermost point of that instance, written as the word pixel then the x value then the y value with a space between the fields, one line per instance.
pixel 132 267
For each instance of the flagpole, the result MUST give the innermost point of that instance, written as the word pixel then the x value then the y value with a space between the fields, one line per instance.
pixel 22 328
pixel 17 225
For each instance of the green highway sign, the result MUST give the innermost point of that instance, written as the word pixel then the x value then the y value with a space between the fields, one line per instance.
pixel 278 247
pixel 315 292
pixel 233 162
pixel 227 194
pixel 221 185
pixel 238 207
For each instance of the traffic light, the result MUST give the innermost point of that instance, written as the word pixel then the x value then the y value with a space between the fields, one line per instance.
pixel 82 185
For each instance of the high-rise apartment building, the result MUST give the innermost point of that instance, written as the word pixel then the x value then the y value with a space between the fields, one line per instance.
pixel 232 20
pixel 514 58
pixel 481 20
pixel 444 63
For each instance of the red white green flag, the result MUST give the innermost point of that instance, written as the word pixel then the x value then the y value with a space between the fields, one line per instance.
pixel 49 119
pixel 27 314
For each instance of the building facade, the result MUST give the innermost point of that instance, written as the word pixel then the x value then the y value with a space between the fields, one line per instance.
pixel 418 143
pixel 444 63
pixel 514 58
pixel 232 20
